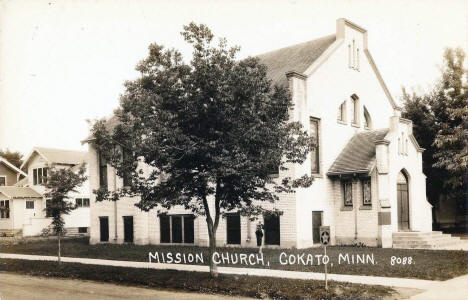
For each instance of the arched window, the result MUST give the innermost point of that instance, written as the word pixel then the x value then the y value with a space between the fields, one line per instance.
pixel 355 109
pixel 342 112
pixel 367 119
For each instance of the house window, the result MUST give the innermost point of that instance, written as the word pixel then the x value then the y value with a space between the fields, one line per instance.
pixel 233 229
pixel 342 112
pixel 102 172
pixel 347 192
pixel 5 209
pixel 314 154
pixel 355 109
pixel 2 180
pixel 82 229
pixel 39 176
pixel 82 202
pixel 366 192
pixel 29 204
pixel 176 229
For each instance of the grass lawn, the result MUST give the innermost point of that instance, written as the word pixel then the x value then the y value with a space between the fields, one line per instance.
pixel 426 264
pixel 248 286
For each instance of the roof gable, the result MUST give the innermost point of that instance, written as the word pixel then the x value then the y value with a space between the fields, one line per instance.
pixel 57 156
pixel 358 156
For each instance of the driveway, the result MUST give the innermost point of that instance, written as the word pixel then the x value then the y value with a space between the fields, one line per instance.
pixel 22 287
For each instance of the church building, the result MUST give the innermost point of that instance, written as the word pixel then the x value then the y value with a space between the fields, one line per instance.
pixel 369 184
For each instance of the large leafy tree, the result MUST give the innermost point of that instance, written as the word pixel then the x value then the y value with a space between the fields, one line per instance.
pixel 440 120
pixel 210 132
pixel 15 157
pixel 59 184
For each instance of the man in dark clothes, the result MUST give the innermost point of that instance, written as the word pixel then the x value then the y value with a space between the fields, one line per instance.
pixel 259 234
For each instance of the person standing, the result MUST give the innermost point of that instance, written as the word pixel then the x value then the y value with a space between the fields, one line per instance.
pixel 259 235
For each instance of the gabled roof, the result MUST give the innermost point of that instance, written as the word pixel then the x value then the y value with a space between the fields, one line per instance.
pixel 11 166
pixel 296 58
pixel 358 156
pixel 13 192
pixel 57 156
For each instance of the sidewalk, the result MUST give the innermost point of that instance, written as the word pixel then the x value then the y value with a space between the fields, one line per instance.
pixel 453 289
pixel 370 280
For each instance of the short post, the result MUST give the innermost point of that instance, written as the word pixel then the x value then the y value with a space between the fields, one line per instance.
pixel 326 282
pixel 325 240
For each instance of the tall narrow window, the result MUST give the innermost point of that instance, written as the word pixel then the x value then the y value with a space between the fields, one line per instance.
pixel 102 172
pixel 367 119
pixel 355 109
pixel 48 212
pixel 342 112
pixel 314 154
pixel 347 192
pixel 354 51
pixel 127 175
pixel 272 229
pixel 349 57
pixel 2 180
pixel 366 192
pixel 34 176
pixel 165 229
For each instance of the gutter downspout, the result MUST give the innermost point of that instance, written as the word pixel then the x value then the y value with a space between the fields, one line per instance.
pixel 115 208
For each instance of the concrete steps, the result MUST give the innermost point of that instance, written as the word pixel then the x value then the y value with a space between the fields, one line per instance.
pixel 424 240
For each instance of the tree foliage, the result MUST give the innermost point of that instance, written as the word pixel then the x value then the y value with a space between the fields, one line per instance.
pixel 15 157
pixel 210 132
pixel 440 119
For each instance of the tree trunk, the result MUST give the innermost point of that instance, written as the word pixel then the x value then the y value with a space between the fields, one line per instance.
pixel 213 266
pixel 59 260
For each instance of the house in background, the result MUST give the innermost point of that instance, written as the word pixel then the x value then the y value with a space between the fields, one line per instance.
pixel 24 204
pixel 9 174
pixel 369 186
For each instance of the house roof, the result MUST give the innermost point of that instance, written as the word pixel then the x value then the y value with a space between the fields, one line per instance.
pixel 57 156
pixel 358 156
pixel 22 182
pixel 11 166
pixel 296 58
pixel 19 192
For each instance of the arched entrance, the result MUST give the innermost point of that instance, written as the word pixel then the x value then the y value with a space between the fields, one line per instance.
pixel 403 202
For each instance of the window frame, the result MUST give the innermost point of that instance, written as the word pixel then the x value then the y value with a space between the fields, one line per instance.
pixel 344 183
pixel 231 229
pixel 316 151
pixel 356 111
pixel 29 202
pixel 341 118
pixel 5 182
pixel 363 184
pixel 182 229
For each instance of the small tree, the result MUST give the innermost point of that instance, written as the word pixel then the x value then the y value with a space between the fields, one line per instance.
pixel 211 132
pixel 59 184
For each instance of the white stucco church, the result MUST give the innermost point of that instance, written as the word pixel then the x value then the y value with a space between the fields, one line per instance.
pixel 369 183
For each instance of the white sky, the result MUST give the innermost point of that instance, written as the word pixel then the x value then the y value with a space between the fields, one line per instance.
pixel 62 62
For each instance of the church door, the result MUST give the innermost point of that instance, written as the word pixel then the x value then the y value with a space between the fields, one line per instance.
pixel 402 202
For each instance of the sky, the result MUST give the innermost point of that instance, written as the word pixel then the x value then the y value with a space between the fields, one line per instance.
pixel 65 62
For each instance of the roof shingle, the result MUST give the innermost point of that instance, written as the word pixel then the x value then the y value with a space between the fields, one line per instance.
pixel 296 58
pixel 358 155
pixel 19 192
